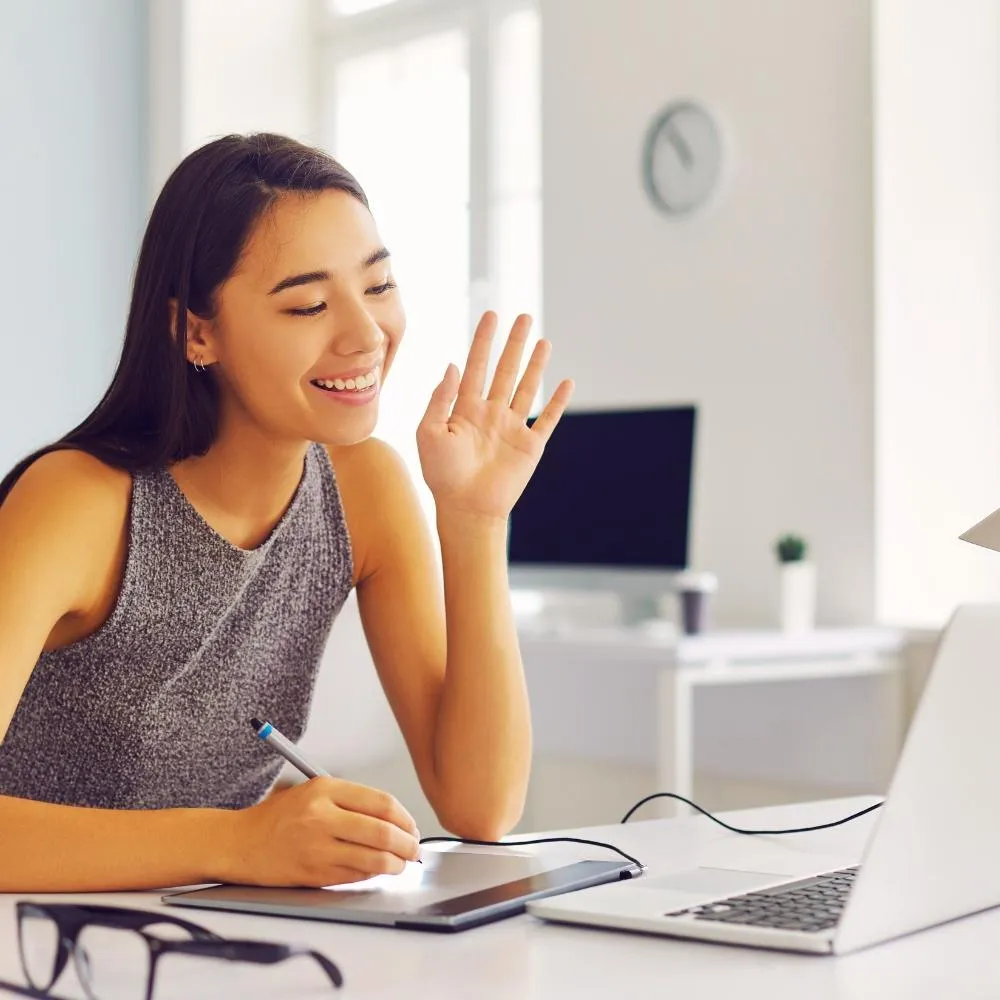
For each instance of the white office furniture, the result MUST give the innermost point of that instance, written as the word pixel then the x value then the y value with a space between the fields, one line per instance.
pixel 578 674
pixel 525 959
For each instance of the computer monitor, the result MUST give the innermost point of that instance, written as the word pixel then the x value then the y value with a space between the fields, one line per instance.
pixel 608 507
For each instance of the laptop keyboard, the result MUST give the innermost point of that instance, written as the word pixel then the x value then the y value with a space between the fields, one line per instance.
pixel 812 904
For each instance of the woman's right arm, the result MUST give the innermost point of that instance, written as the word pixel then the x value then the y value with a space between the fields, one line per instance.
pixel 58 527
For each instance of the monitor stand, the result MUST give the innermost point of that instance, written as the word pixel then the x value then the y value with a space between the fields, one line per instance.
pixel 638 608
pixel 636 594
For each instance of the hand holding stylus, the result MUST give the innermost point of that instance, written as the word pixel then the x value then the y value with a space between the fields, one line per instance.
pixel 325 831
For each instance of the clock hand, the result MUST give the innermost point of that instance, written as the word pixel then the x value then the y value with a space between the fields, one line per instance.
pixel 676 140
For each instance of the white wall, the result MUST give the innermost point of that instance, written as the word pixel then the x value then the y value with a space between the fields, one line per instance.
pixel 249 67
pixel 937 158
pixel 759 309
pixel 221 66
pixel 72 115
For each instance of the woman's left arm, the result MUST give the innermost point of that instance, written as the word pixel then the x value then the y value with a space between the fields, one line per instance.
pixel 453 674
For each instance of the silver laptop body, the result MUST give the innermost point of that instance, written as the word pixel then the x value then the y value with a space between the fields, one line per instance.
pixel 931 856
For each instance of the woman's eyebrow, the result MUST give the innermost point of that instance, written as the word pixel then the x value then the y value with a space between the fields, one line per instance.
pixel 311 276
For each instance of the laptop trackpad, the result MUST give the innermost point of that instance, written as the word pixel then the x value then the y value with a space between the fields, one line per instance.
pixel 715 882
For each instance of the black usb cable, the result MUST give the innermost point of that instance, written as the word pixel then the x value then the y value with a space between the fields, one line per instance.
pixel 628 816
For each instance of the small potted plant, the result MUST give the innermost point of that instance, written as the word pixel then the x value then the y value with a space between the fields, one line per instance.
pixel 798 584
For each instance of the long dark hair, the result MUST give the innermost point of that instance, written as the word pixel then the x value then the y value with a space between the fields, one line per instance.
pixel 157 409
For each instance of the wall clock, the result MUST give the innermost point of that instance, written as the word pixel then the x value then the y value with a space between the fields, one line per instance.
pixel 681 158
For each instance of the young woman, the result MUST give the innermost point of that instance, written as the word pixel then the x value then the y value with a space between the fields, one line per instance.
pixel 171 568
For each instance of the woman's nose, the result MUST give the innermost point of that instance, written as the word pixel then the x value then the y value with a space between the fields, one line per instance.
pixel 357 333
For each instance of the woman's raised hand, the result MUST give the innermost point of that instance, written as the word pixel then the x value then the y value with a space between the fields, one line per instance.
pixel 477 453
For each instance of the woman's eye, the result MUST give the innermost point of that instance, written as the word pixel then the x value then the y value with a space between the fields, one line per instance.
pixel 320 306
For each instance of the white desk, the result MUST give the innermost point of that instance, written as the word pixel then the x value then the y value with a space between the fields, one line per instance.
pixel 579 662
pixel 525 959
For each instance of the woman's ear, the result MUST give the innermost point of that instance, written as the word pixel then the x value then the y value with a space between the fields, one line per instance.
pixel 199 335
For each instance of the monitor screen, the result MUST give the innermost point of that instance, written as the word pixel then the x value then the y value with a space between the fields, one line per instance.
pixel 613 489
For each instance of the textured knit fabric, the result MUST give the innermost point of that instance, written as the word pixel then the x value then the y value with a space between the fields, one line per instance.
pixel 153 709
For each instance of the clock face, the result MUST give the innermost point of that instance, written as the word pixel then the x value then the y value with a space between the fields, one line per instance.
pixel 681 158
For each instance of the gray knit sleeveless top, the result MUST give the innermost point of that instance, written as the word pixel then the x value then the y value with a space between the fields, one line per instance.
pixel 153 709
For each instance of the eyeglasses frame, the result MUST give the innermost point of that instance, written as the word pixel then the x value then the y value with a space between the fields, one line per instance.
pixel 71 918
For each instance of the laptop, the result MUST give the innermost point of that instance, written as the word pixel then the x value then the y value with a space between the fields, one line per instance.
pixel 455 888
pixel 931 856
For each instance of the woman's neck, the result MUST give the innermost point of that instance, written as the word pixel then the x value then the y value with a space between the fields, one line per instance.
pixel 243 484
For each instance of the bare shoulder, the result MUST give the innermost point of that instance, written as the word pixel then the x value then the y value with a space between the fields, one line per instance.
pixel 369 463
pixel 379 498
pixel 372 474
pixel 68 510
pixel 70 481
pixel 62 543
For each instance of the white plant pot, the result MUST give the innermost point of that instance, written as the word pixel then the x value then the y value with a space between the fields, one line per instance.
pixel 798 596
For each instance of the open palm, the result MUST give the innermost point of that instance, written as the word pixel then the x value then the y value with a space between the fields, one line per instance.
pixel 477 453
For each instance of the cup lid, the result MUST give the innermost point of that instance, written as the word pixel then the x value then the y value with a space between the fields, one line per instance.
pixel 690 579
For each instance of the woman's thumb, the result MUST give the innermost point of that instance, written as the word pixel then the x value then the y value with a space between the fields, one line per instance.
pixel 439 408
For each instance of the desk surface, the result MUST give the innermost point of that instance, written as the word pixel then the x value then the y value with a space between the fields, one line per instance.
pixel 525 958
pixel 736 644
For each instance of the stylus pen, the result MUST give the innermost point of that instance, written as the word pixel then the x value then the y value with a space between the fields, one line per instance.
pixel 266 732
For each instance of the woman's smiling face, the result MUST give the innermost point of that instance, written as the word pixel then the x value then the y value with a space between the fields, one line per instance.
pixel 306 327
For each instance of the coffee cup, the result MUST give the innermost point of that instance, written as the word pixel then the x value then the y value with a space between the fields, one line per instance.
pixel 694 588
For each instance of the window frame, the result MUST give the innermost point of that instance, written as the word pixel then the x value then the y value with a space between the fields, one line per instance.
pixel 343 37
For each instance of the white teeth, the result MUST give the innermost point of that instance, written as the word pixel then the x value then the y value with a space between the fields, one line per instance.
pixel 359 383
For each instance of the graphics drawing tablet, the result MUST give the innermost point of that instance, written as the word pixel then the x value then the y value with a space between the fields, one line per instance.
pixel 452 890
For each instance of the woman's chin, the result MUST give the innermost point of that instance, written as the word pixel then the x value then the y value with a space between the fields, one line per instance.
pixel 353 430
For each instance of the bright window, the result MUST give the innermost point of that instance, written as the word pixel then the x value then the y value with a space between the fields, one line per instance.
pixel 348 7
pixel 446 144
pixel 516 190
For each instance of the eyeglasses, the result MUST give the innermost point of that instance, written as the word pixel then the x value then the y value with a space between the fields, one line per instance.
pixel 116 957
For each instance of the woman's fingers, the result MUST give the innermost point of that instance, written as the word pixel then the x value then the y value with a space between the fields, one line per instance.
pixel 377 836
pixel 504 378
pixel 510 360
pixel 337 874
pixel 439 408
pixel 375 822
pixel 364 859
pixel 554 409
pixel 370 801
pixel 474 376
pixel 531 380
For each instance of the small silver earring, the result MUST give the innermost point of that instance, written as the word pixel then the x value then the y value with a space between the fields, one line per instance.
pixel 198 366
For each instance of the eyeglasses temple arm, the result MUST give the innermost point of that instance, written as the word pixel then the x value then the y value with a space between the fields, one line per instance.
pixel 259 952
pixel 328 967
pixel 24 991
